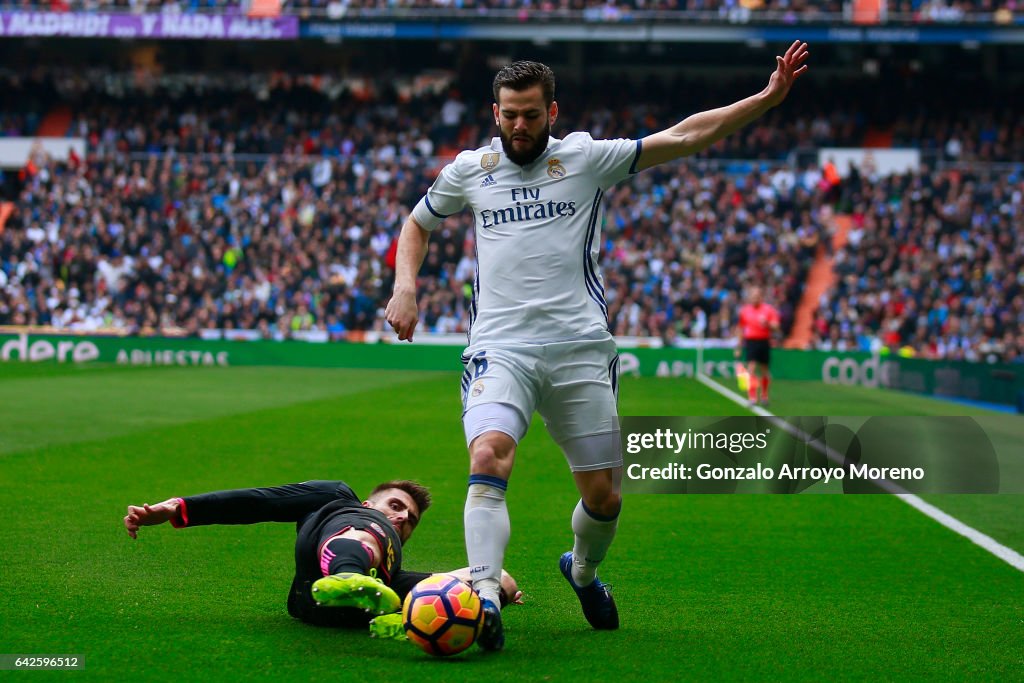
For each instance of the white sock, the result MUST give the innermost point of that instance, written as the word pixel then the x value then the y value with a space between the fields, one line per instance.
pixel 487 533
pixel 593 538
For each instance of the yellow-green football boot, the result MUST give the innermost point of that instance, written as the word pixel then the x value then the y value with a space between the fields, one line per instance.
pixel 367 593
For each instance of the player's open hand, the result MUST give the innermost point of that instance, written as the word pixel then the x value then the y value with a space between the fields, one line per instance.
pixel 402 314
pixel 788 68
pixel 149 515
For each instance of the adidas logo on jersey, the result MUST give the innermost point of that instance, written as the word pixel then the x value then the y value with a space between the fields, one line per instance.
pixel 488 181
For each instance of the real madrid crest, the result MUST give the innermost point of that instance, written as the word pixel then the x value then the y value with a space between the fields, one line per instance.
pixel 489 162
pixel 555 169
pixel 478 389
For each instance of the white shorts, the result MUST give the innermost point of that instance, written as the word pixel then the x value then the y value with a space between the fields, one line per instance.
pixel 573 385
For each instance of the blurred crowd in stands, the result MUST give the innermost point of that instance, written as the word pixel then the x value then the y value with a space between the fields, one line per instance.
pixel 274 113
pixel 273 203
pixel 301 243
pixel 934 265
pixel 733 11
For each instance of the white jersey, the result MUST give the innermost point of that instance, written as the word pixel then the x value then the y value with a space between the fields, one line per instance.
pixel 538 236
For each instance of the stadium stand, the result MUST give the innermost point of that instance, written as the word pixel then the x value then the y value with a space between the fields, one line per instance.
pixel 272 202
pixel 933 266
pixel 734 11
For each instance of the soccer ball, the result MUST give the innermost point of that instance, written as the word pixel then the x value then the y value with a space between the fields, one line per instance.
pixel 442 615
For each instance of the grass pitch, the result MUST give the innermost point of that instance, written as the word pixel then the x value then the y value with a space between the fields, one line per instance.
pixel 736 587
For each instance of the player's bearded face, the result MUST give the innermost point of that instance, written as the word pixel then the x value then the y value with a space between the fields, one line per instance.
pixel 524 123
pixel 523 146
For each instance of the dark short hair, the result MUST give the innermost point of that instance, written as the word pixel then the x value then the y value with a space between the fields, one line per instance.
pixel 418 492
pixel 521 75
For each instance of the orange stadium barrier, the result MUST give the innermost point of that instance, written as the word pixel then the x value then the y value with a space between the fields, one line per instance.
pixel 820 279
pixel 868 11
pixel 6 209
pixel 877 138
pixel 265 8
pixel 56 123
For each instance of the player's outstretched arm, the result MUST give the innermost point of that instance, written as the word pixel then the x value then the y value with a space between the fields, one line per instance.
pixel 402 313
pixel 150 515
pixel 703 129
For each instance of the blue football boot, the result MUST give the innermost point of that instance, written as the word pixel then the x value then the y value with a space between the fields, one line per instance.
pixel 596 599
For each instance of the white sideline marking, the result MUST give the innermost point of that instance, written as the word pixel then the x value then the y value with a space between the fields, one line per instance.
pixel 1007 555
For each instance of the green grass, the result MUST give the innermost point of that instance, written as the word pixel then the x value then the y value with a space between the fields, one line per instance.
pixel 813 398
pixel 1001 517
pixel 738 587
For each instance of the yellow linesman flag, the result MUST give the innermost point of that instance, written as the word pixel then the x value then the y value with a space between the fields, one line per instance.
pixel 742 376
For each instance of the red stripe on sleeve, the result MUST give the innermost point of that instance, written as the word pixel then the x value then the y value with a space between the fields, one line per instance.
pixel 182 513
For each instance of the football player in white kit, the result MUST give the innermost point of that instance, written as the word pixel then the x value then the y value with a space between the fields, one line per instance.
pixel 539 338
